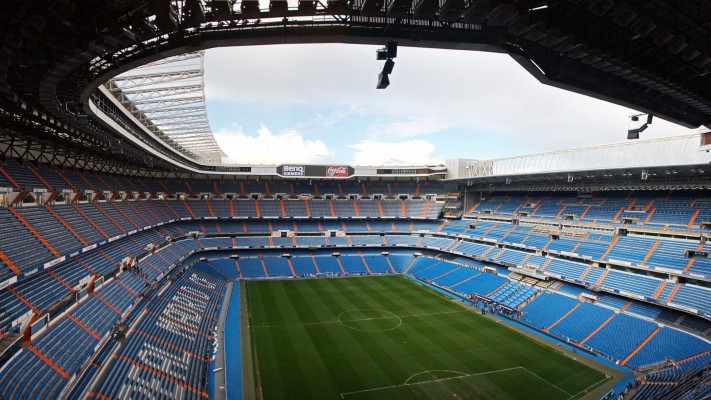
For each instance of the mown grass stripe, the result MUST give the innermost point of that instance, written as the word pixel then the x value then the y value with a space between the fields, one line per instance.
pixel 304 353
pixel 430 381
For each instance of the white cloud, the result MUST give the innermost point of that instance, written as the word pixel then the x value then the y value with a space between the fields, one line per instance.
pixel 486 96
pixel 268 148
pixel 320 121
pixel 411 127
pixel 410 152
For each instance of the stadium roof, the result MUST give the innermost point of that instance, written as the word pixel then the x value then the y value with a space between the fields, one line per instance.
pixel 658 152
pixel 649 55
pixel 677 162
pixel 168 97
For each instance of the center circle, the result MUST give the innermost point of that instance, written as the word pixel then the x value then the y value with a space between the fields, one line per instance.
pixel 369 320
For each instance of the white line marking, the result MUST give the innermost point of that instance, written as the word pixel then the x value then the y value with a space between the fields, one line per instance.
pixel 441 313
pixel 606 378
pixel 399 320
pixel 355 320
pixel 435 370
pixel 434 380
pixel 563 391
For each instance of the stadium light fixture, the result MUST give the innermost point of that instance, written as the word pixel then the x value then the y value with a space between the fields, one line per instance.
pixel 538 8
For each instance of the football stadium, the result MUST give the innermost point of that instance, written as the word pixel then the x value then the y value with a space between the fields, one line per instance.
pixel 135 263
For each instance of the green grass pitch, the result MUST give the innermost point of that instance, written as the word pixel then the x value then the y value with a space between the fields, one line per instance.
pixel 390 338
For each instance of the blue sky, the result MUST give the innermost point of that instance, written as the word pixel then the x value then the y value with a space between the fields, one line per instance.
pixel 318 104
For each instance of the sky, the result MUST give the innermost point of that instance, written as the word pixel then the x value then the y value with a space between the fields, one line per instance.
pixel 317 104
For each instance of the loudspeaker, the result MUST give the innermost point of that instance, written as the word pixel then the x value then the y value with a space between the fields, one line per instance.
pixel 383 81
pixel 388 67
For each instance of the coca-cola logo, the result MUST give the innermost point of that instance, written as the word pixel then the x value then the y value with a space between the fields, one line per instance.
pixel 337 171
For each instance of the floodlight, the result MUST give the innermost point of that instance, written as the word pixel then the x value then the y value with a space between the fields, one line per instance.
pixel 633 134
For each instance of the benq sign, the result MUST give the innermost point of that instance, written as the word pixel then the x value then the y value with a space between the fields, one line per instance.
pixel 293 170
pixel 315 171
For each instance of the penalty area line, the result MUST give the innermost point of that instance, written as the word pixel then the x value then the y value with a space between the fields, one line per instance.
pixel 546 381
pixel 594 385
